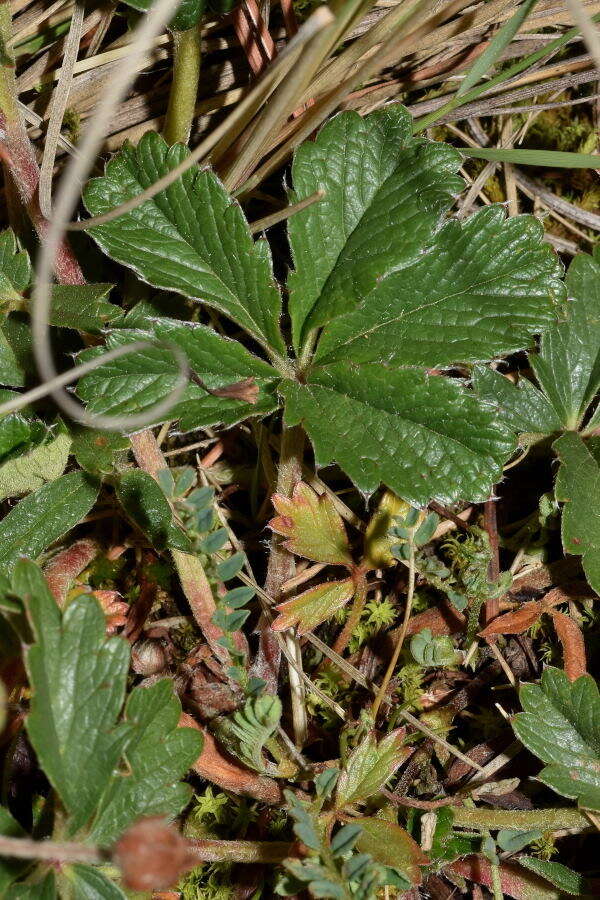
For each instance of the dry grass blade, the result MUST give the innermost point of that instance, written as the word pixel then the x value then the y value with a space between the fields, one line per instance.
pixel 59 104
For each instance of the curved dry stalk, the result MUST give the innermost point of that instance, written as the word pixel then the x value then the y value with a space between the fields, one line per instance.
pixel 139 421
pixel 263 88
pixel 66 200
pixel 60 98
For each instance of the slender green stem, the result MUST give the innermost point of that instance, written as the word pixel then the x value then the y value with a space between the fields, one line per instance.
pixel 187 49
pixel 407 611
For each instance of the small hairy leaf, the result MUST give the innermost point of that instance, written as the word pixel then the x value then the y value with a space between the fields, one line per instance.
pixel 158 753
pixel 246 731
pixel 192 238
pixel 97 451
pixel 30 471
pixel 391 845
pixel 46 515
pixel 561 725
pixel 77 678
pixel 137 381
pixel 578 487
pixel 312 525
pixel 312 607
pixel 560 876
pixel 146 505
pixel 369 767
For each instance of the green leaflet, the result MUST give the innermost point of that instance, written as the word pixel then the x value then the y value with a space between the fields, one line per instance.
pixel 43 889
pixel 46 515
pixel 27 472
pixel 15 271
pixel 560 876
pixel 139 380
pixel 10 868
pixel 82 306
pixel 369 766
pixel 158 754
pixel 77 677
pixel 522 407
pixel 578 487
pixel 192 238
pixel 385 193
pixel 88 883
pixel 391 845
pixel 482 289
pixel 561 725
pixel 423 436
pixel 146 505
pixel 568 366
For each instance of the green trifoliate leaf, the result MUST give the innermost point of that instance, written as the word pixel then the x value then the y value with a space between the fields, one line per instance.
pixel 370 766
pixel 146 505
pixel 32 470
pixel 82 307
pixel 158 754
pixel 433 651
pixel 77 678
pixel 482 289
pixel 46 515
pixel 578 487
pixel 245 732
pixel 192 238
pixel 137 381
pixel 561 725
pixel 423 436
pixel 385 193
pixel 89 883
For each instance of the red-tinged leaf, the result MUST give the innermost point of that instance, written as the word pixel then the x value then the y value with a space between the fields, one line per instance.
pixel 64 568
pixel 516 881
pixel 442 619
pixel 571 638
pixel 515 622
pixel 309 609
pixel 216 766
pixel 369 767
pixel 312 525
pixel 391 845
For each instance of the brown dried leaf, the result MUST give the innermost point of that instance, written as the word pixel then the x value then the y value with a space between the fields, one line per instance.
pixel 571 638
pixel 314 606
pixel 515 622
pixel 216 766
pixel 312 525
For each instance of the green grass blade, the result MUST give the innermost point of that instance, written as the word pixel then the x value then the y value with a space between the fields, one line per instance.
pixel 554 159
pixel 500 40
